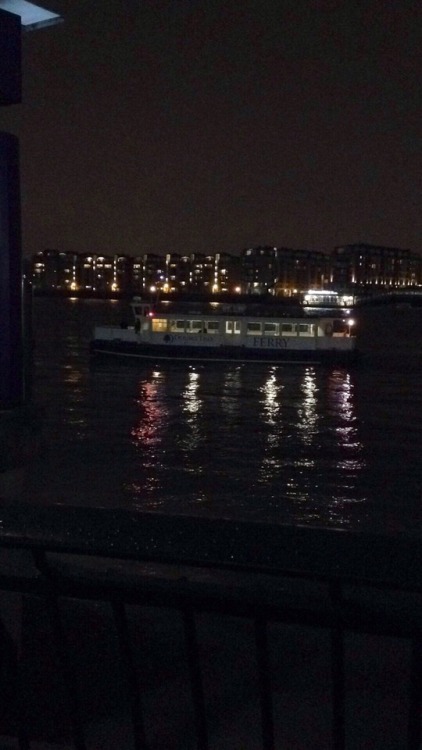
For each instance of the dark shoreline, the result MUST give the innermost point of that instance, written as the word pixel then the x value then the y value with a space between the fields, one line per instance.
pixel 399 299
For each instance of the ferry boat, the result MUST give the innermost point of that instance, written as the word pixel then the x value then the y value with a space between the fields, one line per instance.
pixel 229 333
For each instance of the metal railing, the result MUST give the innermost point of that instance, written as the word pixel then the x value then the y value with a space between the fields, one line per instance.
pixel 365 584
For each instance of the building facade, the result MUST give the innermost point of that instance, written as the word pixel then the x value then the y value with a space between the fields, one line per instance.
pixel 363 265
pixel 298 270
pixel 259 269
pixel 280 271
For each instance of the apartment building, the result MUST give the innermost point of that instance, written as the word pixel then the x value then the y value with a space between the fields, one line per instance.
pixel 264 269
pixel 364 265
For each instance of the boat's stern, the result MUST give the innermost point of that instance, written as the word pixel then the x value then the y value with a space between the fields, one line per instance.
pixel 114 333
pixel 112 340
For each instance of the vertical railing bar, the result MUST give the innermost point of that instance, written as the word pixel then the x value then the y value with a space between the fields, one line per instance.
pixel 197 688
pixel 267 717
pixel 62 650
pixel 23 741
pixel 338 671
pixel 22 735
pixel 127 657
pixel 415 695
pixel 68 675
pixel 9 654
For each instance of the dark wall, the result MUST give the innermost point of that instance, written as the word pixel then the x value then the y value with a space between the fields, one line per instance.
pixel 11 354
pixel 10 58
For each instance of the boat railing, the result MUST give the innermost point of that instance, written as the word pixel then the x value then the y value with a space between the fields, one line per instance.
pixel 270 310
pixel 63 562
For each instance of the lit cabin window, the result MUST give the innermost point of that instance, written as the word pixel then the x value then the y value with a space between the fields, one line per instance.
pixel 287 328
pixel 212 326
pixel 271 329
pixel 194 326
pixel 233 326
pixel 159 324
pixel 178 326
pixel 254 329
pixel 303 328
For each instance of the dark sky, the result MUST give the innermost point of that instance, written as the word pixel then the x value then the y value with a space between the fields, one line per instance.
pixel 192 125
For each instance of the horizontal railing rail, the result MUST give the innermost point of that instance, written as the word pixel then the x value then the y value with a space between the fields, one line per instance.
pixel 365 583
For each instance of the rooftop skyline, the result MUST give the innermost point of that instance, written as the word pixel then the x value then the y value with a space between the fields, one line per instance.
pixel 174 126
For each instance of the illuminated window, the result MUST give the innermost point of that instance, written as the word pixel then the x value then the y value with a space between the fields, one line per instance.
pixel 303 328
pixel 254 329
pixel 194 326
pixel 271 329
pixel 287 328
pixel 159 325
pixel 178 326
pixel 212 326
pixel 233 326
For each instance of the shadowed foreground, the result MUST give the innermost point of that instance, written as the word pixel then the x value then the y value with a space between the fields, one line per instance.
pixel 270 650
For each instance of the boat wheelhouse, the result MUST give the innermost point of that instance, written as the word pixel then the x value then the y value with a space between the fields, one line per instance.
pixel 228 332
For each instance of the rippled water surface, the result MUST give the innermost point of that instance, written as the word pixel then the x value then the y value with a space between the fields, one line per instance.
pixel 286 443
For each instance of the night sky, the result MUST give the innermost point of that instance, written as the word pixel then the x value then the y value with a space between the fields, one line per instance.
pixel 159 126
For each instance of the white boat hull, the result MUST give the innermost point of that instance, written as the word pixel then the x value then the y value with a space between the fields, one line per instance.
pixel 127 344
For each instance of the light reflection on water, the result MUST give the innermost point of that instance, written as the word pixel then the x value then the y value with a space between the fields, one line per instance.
pixel 148 432
pixel 209 438
pixel 282 444
pixel 191 408
pixel 271 403
pixel 230 393
pixel 307 411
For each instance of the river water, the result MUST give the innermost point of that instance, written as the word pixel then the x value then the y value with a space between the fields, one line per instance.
pixel 286 444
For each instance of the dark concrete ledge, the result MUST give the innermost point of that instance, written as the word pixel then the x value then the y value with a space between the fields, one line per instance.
pixel 388 560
